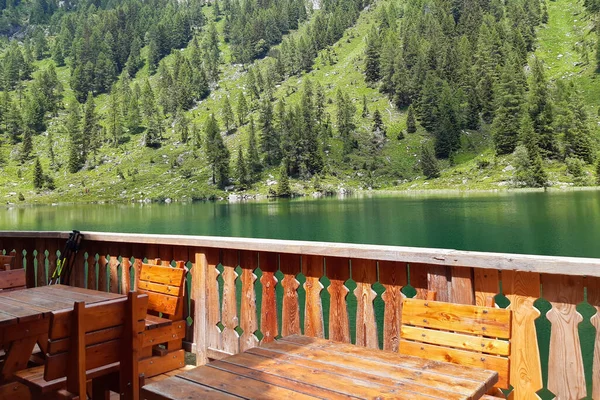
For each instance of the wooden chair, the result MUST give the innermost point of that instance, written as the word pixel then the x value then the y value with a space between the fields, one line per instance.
pixel 162 347
pixel 8 262
pixel 12 279
pixel 461 334
pixel 100 343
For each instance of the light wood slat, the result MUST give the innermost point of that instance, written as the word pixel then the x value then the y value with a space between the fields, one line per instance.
pixel 126 275
pixel 163 275
pixel 114 274
pixel 364 272
pixel 393 278
pixel 469 358
pixel 327 381
pixel 338 272
pixel 418 379
pixel 40 245
pixel 437 281
pixel 280 375
pixel 159 288
pixel 486 283
pixel 229 316
pixel 289 264
pixel 522 289
pixel 461 285
pixel 566 377
pixel 485 321
pixel 593 297
pixel 162 302
pixel 239 385
pixel 200 309
pixel 460 341
pixel 313 314
pixel 177 388
pixel 248 323
pixel 213 308
pixel 268 265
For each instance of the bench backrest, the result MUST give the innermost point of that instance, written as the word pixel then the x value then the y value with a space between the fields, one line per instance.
pixel 8 261
pixel 462 334
pixel 91 338
pixel 164 287
pixel 13 279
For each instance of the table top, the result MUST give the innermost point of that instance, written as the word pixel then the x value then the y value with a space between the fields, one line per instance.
pixel 24 305
pixel 301 367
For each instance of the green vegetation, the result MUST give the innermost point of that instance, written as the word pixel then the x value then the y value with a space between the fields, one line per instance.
pixel 149 100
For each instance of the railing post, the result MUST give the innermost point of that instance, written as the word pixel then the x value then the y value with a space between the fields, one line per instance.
pixel 198 293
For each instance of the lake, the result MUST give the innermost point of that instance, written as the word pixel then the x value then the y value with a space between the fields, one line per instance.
pixel 553 223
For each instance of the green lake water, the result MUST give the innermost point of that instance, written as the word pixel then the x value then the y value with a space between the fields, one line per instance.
pixel 560 223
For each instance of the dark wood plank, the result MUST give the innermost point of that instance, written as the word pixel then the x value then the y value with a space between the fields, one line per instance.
pixel 393 277
pixel 338 272
pixel 176 388
pixel 268 265
pixel 289 264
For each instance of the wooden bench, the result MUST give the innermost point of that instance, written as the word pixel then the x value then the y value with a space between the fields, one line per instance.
pixel 462 334
pixel 162 347
pixel 100 343
pixel 13 279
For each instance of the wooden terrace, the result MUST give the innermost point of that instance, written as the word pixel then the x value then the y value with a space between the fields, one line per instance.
pixel 243 293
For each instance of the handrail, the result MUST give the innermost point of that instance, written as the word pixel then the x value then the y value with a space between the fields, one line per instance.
pixel 447 257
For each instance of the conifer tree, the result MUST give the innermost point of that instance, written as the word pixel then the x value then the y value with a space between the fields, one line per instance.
pixel 411 123
pixel 283 184
pixel 114 118
pixel 242 109
pixel 57 54
pixel 447 126
pixel 598 173
pixel 241 169
pixel 38 174
pixel 541 110
pixel 76 141
pixel 319 104
pixel 217 153
pixel 26 145
pixel 13 123
pixel 378 126
pixel 228 117
pixel 251 85
pixel 269 139
pixel 133 119
pixel 91 127
pixel 365 110
pixel 254 165
pixel 372 55
pixel 345 120
pixel 429 164
pixel 534 174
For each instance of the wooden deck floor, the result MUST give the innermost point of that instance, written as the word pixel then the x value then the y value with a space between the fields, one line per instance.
pixel 158 378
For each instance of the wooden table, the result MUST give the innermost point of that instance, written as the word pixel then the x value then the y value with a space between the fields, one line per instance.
pixel 24 320
pixel 300 367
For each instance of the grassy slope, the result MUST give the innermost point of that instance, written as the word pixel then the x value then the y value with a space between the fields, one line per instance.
pixel 152 174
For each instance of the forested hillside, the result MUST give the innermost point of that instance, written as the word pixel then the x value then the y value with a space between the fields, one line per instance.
pixel 136 100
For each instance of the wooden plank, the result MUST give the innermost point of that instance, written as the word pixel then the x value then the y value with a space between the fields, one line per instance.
pixel 157 365
pixel 103 268
pixel 162 275
pixel 522 289
pixel 485 321
pixel 566 377
pixel 364 273
pixel 162 303
pixel 238 385
pixel 457 340
pixel 461 285
pixel 40 245
pixel 229 319
pixel 248 323
pixel 13 278
pixel 213 308
pixel 393 278
pixel 289 265
pixel 176 331
pixel 92 281
pixel 199 306
pixel 418 279
pixel 14 360
pixel 180 389
pixel 159 288
pixel 468 358
pixel 268 326
pixel 593 297
pixel 114 274
pixel 338 272
pixel 126 275
pixel 52 246
pixel 437 281
pixel 297 381
pixel 313 314
pixel 14 390
pixel 486 283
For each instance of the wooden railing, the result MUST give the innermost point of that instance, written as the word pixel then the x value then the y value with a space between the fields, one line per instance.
pixel 244 292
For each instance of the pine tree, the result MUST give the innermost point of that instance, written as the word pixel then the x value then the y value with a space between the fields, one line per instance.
pixel 429 164
pixel 91 127
pixel 269 138
pixel 283 185
pixel 320 104
pixel 38 175
pixel 378 126
pixel 228 117
pixel 535 175
pixel 510 98
pixel 345 120
pixel 26 146
pixel 365 110
pixel 153 56
pixel 254 165
pixel 541 110
pixel 241 169
pixel 114 118
pixel 76 141
pixel 242 109
pixel 598 173
pixel 183 127
pixel 447 126
pixel 372 55
pixel 57 54
pixel 217 152
pixel 13 123
pixel 411 124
